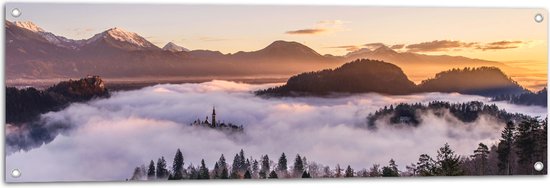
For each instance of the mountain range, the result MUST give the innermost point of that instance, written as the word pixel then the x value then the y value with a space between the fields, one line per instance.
pixel 33 53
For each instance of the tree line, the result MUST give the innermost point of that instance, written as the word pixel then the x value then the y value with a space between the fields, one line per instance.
pixel 520 146
pixel 405 113
pixel 539 98
pixel 25 105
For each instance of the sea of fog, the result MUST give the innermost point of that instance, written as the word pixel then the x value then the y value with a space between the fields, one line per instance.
pixel 108 138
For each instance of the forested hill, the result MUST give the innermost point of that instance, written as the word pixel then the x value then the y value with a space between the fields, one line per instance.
pixel 539 98
pixel 485 81
pixel 23 105
pixel 410 114
pixel 358 76
pixel 364 75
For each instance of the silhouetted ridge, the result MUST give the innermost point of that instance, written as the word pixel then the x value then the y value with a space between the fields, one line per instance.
pixel 358 76
pixel 364 75
pixel 485 81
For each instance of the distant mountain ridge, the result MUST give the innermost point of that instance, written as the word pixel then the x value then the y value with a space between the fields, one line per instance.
pixel 174 48
pixel 285 49
pixel 33 53
pixel 364 75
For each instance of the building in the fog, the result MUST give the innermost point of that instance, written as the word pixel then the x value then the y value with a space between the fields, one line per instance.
pixel 216 124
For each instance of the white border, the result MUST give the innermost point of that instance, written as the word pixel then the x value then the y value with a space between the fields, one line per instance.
pixel 463 182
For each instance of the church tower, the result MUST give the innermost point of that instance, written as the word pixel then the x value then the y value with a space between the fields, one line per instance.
pixel 213 116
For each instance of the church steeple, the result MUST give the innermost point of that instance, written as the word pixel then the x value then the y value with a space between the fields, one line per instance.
pixel 213 116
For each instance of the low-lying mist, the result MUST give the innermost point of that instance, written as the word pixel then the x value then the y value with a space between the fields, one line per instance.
pixel 106 139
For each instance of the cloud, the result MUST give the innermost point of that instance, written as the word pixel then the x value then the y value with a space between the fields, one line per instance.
pixel 397 46
pixel 323 26
pixel 438 45
pixel 306 31
pixel 108 138
pixel 370 46
pixel 499 45
pixel 349 48
pixel 373 46
pixel 454 45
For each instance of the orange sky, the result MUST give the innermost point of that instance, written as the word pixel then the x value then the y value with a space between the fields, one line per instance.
pixel 506 35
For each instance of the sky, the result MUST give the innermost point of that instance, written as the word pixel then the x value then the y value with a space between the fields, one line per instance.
pixel 506 35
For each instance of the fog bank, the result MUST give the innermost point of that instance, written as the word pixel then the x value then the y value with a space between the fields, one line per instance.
pixel 108 138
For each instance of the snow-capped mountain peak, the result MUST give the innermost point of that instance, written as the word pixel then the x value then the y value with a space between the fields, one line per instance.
pixel 29 26
pixel 174 47
pixel 121 38
pixel 126 36
pixel 50 37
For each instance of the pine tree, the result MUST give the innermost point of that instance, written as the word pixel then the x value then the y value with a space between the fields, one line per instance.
pixel 162 172
pixel 375 171
pixel 525 142
pixel 224 174
pixel 193 173
pixel 363 173
pixel 246 166
pixel 234 175
pixel 481 155
pixel 151 171
pixel 505 149
pixel 412 169
pixel 426 166
pixel 137 175
pixel 247 175
pixel 298 166
pixel 216 171
pixel 393 166
pixel 177 166
pixel 542 145
pixel 306 175
pixel 236 166
pixel 540 137
pixel 243 166
pixel 448 162
pixel 265 167
pixel 349 172
pixel 338 170
pixel 221 162
pixel 327 173
pixel 273 175
pixel 391 170
pixel 282 165
pixel 255 169
pixel 203 171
